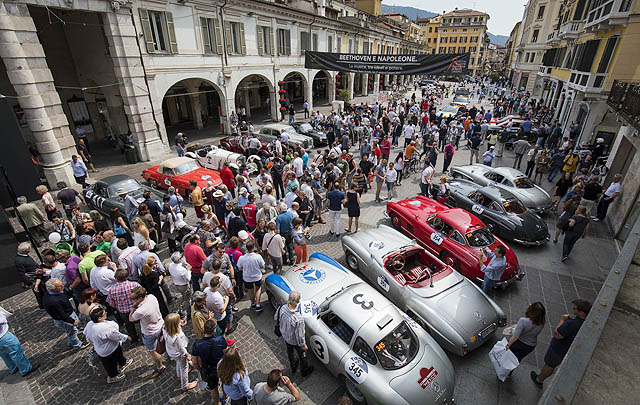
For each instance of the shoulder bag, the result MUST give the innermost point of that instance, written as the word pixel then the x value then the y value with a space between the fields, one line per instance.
pixel 276 329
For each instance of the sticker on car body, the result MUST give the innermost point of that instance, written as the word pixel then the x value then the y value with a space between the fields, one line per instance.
pixel 308 308
pixel 410 321
pixel 437 238
pixel 383 282
pixel 376 244
pixel 167 182
pixel 427 375
pixel 477 209
pixel 415 203
pixel 320 348
pixel 357 369
pixel 364 302
pixel 312 276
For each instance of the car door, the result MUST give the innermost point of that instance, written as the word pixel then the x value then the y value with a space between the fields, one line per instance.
pixel 331 341
pixel 100 196
pixel 167 177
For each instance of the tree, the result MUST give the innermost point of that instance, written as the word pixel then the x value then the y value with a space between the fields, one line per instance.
pixel 345 95
pixel 494 76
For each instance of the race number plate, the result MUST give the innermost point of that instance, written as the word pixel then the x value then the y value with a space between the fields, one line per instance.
pixel 357 369
pixel 437 238
pixel 477 209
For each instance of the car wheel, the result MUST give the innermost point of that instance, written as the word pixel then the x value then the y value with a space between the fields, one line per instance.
pixel 154 184
pixel 187 194
pixel 448 259
pixel 273 300
pixel 354 392
pixel 352 262
pixel 396 221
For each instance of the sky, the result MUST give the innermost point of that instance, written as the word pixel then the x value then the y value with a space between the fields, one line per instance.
pixel 504 14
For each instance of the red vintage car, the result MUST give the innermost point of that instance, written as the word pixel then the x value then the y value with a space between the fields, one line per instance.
pixel 453 234
pixel 178 172
pixel 232 143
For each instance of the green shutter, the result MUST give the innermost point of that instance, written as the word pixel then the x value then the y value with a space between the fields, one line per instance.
pixel 271 42
pixel 146 30
pixel 206 35
pixel 173 44
pixel 261 39
pixel 243 43
pixel 217 31
pixel 228 40
pixel 287 42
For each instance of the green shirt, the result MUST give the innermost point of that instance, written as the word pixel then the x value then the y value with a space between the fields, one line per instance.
pixel 104 246
pixel 343 166
pixel 87 262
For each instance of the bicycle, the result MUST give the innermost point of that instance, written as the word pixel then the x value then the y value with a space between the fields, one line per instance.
pixel 410 166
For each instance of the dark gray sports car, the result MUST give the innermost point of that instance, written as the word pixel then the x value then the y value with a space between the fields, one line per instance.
pixel 102 195
pixel 500 210
pixel 304 128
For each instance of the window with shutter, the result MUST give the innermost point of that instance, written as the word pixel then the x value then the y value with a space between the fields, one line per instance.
pixel 339 44
pixel 288 41
pixel 330 43
pixel 217 30
pixel 158 29
pixel 243 43
pixel 304 41
pixel 173 43
pixel 146 30
pixel 284 42
pixel 603 66
pixel 586 61
pixel 227 35
pixel 261 40
pixel 272 50
pixel 206 35
pixel 314 40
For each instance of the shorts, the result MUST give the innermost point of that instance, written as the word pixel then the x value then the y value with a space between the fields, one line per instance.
pixel 212 380
pixel 250 284
pixel 151 341
pixel 552 359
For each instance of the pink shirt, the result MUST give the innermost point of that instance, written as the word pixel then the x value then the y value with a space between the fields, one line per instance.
pixel 194 255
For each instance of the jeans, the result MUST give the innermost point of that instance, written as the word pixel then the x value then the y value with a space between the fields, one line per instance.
pixel 13 355
pixel 180 151
pixel 196 278
pixel 288 246
pixel 292 119
pixel 70 330
pixel 334 221
pixel 488 284
pixel 424 189
pixel 570 239
pixel 603 206
pixel 553 173
pixel 279 186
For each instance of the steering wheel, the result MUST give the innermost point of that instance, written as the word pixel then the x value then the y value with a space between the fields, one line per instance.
pixel 398 262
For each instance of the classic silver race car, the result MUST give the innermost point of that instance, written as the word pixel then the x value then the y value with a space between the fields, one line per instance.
pixel 446 304
pixel 214 158
pixel 381 355
pixel 531 195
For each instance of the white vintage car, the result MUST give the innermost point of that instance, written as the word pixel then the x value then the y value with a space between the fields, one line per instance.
pixel 214 158
pixel 381 355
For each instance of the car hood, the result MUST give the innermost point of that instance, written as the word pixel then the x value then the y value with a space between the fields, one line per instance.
pixel 429 378
pixel 466 309
pixel 298 137
pixel 202 175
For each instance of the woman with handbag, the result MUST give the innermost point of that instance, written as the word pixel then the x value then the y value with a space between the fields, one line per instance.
pixel 273 245
pixel 578 228
pixel 525 334
pixel 47 201
pixel 168 227
pixel 568 209
pixel 120 227
pixel 353 207
pixel 299 240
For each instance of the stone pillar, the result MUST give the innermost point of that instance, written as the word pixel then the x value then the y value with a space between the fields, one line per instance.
pixel 352 79
pixel 274 105
pixel 247 102
pixel 28 72
pixel 308 93
pixel 125 55
pixel 196 108
pixel 331 88
pixel 172 109
pixel 229 104
pixel 365 84
pixel 376 84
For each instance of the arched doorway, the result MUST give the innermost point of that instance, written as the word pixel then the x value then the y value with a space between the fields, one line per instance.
pixel 294 84
pixel 320 88
pixel 253 93
pixel 192 104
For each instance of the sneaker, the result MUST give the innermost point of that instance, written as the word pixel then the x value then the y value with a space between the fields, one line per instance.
pixel 156 372
pixel 534 378
pixel 259 308
pixel 564 258
pixel 235 309
pixel 595 219
pixel 126 365
pixel 232 329
pixel 253 305
pixel 115 379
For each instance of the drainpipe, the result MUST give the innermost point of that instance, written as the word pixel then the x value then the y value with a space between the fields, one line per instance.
pixel 225 62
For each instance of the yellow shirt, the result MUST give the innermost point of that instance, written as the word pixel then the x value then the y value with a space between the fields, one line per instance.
pixel 196 197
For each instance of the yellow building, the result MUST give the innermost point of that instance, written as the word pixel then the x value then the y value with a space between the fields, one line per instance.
pixel 511 47
pixel 373 7
pixel 458 31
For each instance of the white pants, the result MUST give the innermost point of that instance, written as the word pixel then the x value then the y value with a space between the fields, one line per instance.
pixel 182 370
pixel 334 221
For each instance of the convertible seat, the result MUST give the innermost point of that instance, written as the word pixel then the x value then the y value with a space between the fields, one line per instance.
pixel 400 278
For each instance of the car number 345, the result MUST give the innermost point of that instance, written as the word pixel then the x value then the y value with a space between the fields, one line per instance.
pixel 357 369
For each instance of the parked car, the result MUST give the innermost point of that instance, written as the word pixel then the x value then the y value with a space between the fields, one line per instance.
pixel 178 172
pixel 453 235
pixel 271 132
pixel 304 128
pixel 214 158
pixel 460 101
pixel 462 91
pixel 447 305
pixel 500 210
pixel 232 144
pixel 381 355
pixel 103 194
pixel 532 196
pixel 448 111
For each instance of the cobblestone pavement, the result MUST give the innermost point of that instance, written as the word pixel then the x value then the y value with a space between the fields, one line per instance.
pixel 66 378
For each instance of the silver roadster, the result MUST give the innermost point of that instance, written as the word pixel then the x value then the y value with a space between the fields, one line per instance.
pixel 446 304
pixel 381 355
pixel 531 195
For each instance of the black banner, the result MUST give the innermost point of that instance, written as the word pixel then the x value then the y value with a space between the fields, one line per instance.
pixel 450 64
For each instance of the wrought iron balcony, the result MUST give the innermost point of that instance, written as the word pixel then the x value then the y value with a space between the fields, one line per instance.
pixel 624 98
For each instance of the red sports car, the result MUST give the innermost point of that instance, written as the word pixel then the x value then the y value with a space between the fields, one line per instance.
pixel 453 234
pixel 178 172
pixel 232 143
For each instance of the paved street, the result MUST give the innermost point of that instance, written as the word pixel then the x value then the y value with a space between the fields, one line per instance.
pixel 66 378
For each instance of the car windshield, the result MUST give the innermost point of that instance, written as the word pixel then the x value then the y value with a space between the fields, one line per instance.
pixel 523 182
pixel 514 207
pixel 398 348
pixel 129 185
pixel 450 108
pixel 460 100
pixel 186 168
pixel 306 127
pixel 480 237
pixel 289 130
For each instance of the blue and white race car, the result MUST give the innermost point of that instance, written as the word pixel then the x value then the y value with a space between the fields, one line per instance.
pixel 381 355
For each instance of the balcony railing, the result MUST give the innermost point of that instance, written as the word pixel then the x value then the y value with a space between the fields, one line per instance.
pixel 570 30
pixel 553 37
pixel 624 98
pixel 612 12
pixel 587 82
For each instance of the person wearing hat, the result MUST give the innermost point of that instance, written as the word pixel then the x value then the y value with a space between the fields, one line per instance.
pixel 130 205
pixel 219 205
pixel 243 197
pixel 488 156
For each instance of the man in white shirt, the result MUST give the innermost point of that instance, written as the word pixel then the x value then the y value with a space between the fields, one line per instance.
pixel 147 311
pixel 217 303
pixel 427 179
pixel 298 165
pixel 273 244
pixel 409 130
pixel 291 195
pixel 107 342
pixel 278 147
pixel 181 275
pixel 263 180
pixel 225 288
pixel 252 264
pixel 613 191
pixel 268 197
pixel 101 276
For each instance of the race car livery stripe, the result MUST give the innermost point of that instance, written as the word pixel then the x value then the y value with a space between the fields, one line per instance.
pixel 327 259
pixel 279 282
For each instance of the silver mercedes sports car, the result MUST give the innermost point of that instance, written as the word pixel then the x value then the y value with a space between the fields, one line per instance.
pixel 381 355
pixel 531 195
pixel 446 304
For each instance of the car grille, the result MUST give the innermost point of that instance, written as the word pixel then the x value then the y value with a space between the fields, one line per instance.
pixel 487 331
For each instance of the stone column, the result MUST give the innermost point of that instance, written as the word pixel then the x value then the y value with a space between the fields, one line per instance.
pixel 331 88
pixel 308 93
pixel 376 83
pixel 229 103
pixel 275 105
pixel 125 54
pixel 172 109
pixel 28 72
pixel 352 79
pixel 196 108
pixel 365 84
pixel 247 102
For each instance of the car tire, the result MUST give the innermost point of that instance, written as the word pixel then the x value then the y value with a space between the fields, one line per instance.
pixel 273 300
pixel 396 221
pixel 354 393
pixel 448 259
pixel 352 262
pixel 154 184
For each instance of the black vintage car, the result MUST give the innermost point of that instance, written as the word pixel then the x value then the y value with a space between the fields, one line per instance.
pixel 304 128
pixel 501 210
pixel 103 194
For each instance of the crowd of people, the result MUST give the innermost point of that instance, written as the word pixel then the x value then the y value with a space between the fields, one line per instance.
pixel 104 276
